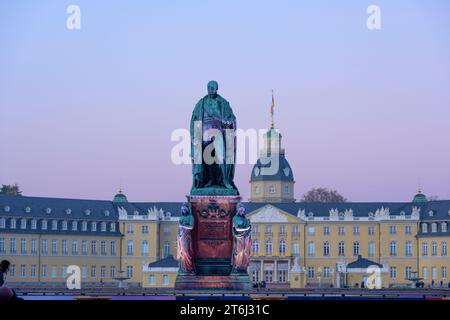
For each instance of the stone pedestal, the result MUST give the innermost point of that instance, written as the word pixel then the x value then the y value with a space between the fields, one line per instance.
pixel 213 245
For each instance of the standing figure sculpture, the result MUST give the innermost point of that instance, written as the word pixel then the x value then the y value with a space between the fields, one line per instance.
pixel 213 143
pixel 185 254
pixel 241 241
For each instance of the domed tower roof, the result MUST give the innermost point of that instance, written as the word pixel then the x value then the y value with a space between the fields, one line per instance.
pixel 420 197
pixel 120 197
pixel 284 172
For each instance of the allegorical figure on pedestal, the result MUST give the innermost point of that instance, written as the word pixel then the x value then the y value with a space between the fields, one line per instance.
pixel 185 253
pixel 241 241
pixel 213 144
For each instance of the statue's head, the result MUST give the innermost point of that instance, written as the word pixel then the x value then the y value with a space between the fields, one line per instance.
pixel 241 209
pixel 185 209
pixel 213 86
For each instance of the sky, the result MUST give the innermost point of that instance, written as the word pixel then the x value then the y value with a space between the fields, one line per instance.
pixel 83 112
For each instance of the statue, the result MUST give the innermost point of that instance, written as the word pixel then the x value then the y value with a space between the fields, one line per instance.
pixel 241 241
pixel 213 127
pixel 185 253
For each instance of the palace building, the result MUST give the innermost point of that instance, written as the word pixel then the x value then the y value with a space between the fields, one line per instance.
pixel 294 244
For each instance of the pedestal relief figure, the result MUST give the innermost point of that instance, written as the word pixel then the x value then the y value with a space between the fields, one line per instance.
pixel 185 254
pixel 241 241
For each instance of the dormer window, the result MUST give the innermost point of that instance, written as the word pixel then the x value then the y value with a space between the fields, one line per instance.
pixel 23 223
pixel 54 225
pixel 6 208
pixel 87 212
pixel 48 210
pixel 27 209
pixel 424 228
pixel 444 227
pixel 84 226
pixel 74 225
pixel 44 224
pixel 431 213
pixel 103 226
pixel 106 213
pixel 68 211
pixel 434 227
pixel 12 223
pixel 113 227
pixel 136 213
pixel 93 226
pixel 402 213
pixel 64 225
pixel 271 189
pixel 2 223
pixel 310 214
pixel 33 224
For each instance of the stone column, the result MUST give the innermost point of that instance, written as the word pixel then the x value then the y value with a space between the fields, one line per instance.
pixel 261 271
pixel 275 271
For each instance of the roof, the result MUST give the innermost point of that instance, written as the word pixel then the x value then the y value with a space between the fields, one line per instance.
pixel 284 172
pixel 363 263
pixel 168 262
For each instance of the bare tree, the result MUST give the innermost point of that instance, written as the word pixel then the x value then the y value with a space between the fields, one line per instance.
pixel 322 195
pixel 10 190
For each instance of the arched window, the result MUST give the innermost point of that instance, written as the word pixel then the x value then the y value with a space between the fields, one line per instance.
pixel 84 226
pixel 424 228
pixel 93 226
pixel 282 247
pixel 444 227
pixel 434 227
pixel 64 225
pixel 268 248
pixel 103 226
pixel 255 247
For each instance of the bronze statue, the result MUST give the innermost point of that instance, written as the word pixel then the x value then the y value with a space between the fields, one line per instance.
pixel 185 254
pixel 241 241
pixel 213 144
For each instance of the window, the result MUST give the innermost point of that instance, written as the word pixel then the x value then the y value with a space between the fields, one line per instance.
pixel 12 223
pixel 268 276
pixel 44 224
pixel 93 271
pixel 53 271
pixel 257 190
pixel 64 247
pixel 433 273
pixel 326 272
pixel 23 246
pixel 268 228
pixel 33 246
pixel 33 271
pixel 393 248
pixel 408 248
pixel 268 248
pixel 356 248
pixel 84 271
pixel 54 247
pixel 33 224
pixel 113 248
pixel 166 248
pixel 112 271
pixel 424 249
pixel 113 227
pixel 130 248
pixel 84 247
pixel 103 247
pixel 74 247
pixel 393 272
pixel 434 248
pixel 64 225
pixel 295 248
pixel 408 230
pixel 255 275
pixel 255 247
pixel 408 272
pixel 295 229
pixel 2 223
pixel 434 227
pixel 371 230
pixel 282 248
pixel 165 280
pixel 84 226
pixel 43 270
pixel 311 272
pixel 444 248
pixel 130 271
pixel 2 246
pixel 130 228
pixel 23 223
pixel 282 229
pixel 94 250
pixel 286 189
pixel 12 271
pixel 392 230
pixel 444 227
pixel 22 271
pixel 282 276
pixel 44 248
pixel 424 228
pixel 444 272
pixel 144 248
pixel 341 231
pixel 311 249
pixel 103 227
pixel 371 249
pixel 311 230
pixel 144 229
pixel 326 230
pixel 93 226
pixel 74 225
pixel 341 248
pixel 271 189
pixel 64 271
pixel 356 231
pixel 326 249
pixel 151 279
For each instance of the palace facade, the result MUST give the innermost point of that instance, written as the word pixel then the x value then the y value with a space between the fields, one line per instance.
pixel 294 244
